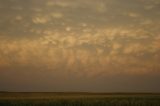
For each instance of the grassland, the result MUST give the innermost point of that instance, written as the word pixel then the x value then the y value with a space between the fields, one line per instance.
pixel 79 99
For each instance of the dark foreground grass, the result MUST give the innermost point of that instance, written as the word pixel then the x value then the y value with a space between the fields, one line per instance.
pixel 71 99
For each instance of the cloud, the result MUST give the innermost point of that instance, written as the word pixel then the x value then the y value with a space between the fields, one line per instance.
pixel 108 51
pixel 40 20
pixel 19 18
pixel 134 48
pixel 116 46
pixel 101 7
pixel 65 35
pixel 62 3
pixel 57 15
pixel 133 14
pixel 155 46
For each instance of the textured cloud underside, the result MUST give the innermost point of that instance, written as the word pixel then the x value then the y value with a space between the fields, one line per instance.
pixel 104 52
pixel 81 36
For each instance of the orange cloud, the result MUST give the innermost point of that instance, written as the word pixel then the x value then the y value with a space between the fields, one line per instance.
pixel 92 54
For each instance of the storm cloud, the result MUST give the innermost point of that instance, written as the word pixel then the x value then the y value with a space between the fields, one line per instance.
pixel 80 45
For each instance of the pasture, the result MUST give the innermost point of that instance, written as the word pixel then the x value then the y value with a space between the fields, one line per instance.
pixel 78 99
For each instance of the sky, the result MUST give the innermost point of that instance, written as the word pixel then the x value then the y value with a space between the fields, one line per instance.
pixel 80 45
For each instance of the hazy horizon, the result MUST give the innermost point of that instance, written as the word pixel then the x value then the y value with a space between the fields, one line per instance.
pixel 80 45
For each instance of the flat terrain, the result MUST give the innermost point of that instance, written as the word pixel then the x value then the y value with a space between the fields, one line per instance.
pixel 79 99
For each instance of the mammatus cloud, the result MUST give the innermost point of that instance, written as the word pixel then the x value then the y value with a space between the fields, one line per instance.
pixel 108 51
pixel 103 44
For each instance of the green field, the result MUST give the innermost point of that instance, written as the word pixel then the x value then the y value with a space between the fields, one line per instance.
pixel 79 99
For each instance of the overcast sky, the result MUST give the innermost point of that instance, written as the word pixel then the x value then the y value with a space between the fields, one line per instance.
pixel 80 45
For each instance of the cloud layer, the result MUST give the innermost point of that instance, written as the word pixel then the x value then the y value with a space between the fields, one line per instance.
pixel 115 50
pixel 84 39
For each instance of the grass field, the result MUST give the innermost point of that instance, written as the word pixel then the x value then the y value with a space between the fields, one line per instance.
pixel 79 99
